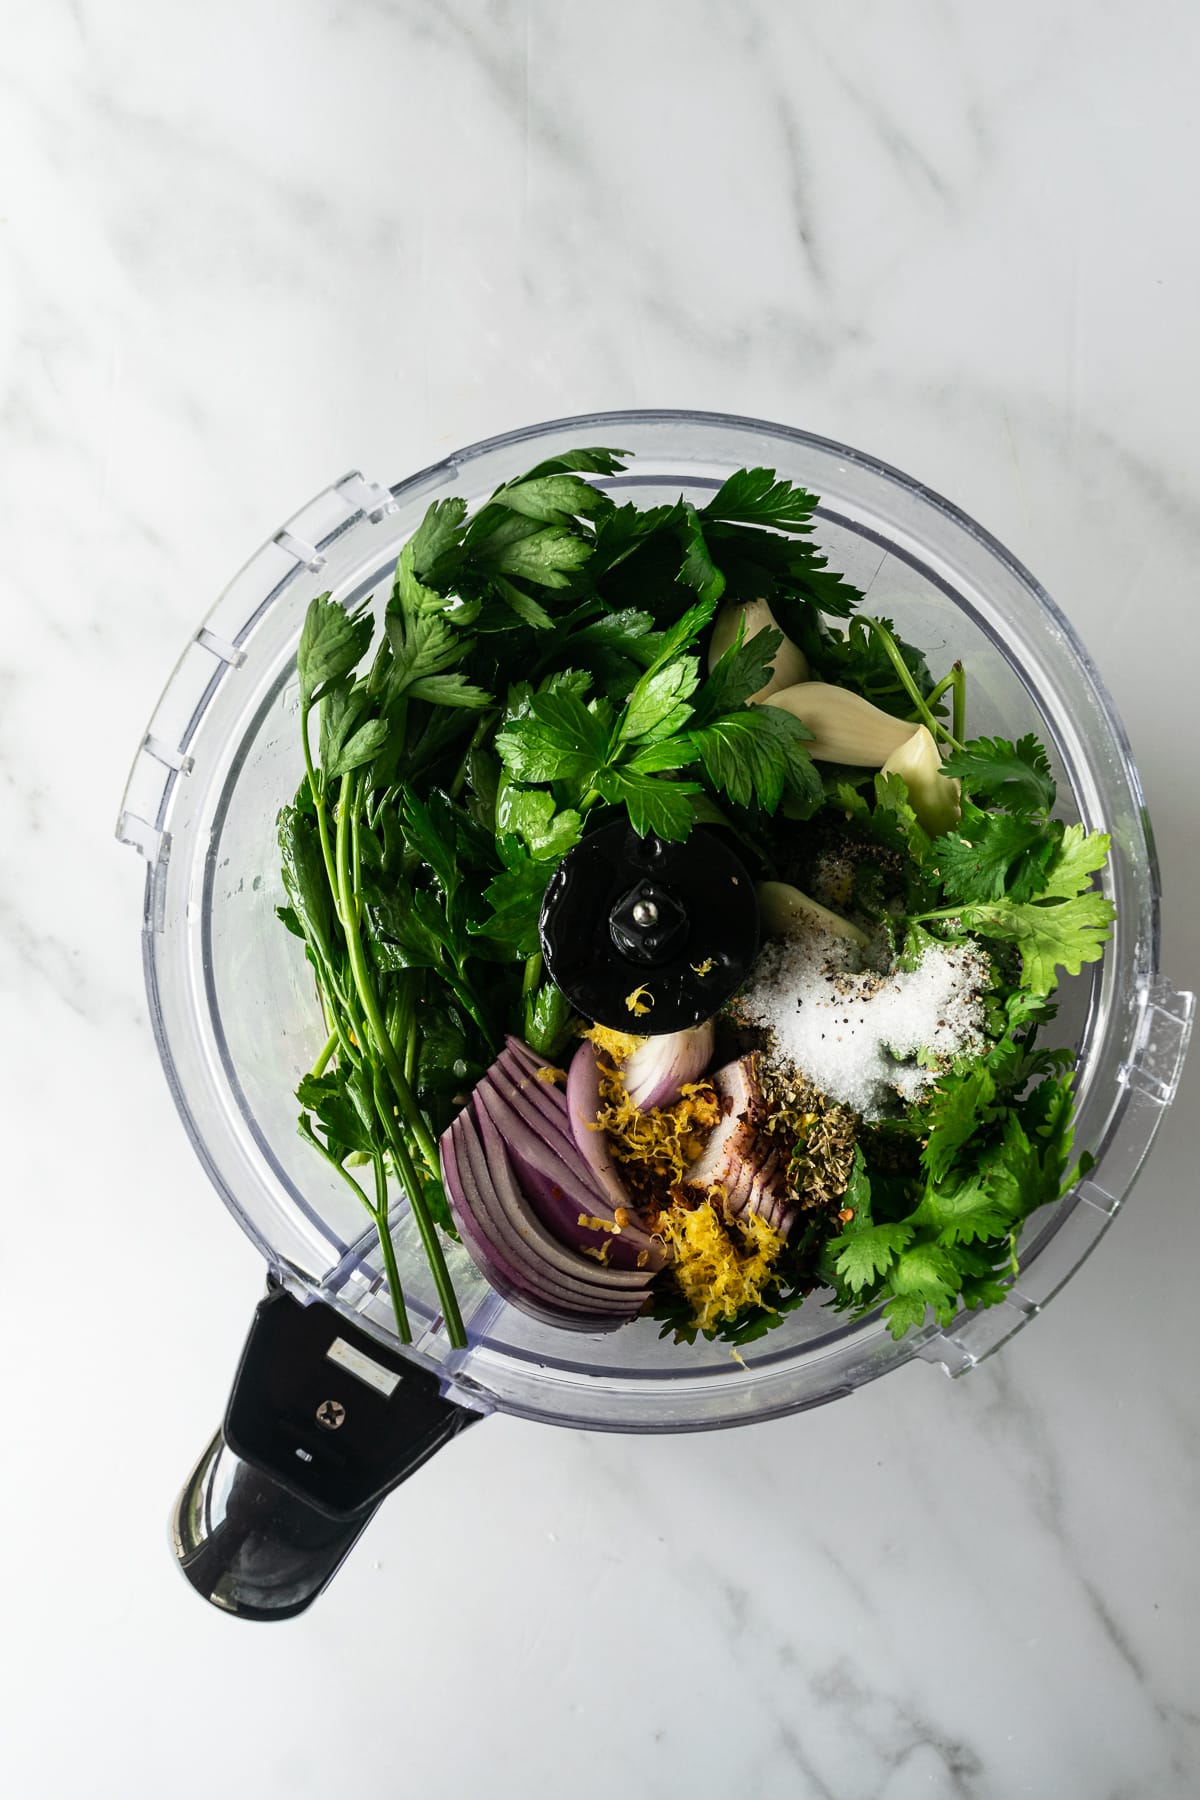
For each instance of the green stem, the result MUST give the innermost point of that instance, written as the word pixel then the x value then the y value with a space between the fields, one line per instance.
pixel 322 1062
pixel 958 716
pixel 365 987
pixel 413 1119
pixel 389 1251
pixel 411 1182
pixel 378 1215
pixel 486 720
pixel 904 675
pixel 532 976
pixel 317 790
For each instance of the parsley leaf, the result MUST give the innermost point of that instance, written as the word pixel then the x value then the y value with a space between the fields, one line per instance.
pixel 757 756
pixel 699 571
pixel 558 739
pixel 759 497
pixel 331 644
pixel 662 807
pixel 658 705
pixel 552 499
pixel 743 669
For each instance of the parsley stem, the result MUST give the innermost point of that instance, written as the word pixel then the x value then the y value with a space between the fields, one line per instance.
pixel 532 975
pixel 365 987
pixel 349 798
pixel 317 790
pixel 486 720
pixel 389 1251
pixel 411 1183
pixel 322 1062
pixel 378 1215
pixel 904 674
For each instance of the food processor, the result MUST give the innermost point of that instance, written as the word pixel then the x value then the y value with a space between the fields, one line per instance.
pixel 328 1412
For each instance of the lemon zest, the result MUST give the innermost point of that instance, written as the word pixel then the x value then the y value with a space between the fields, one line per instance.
pixel 719 1268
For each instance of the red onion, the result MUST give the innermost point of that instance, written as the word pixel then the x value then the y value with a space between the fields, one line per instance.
pixel 661 1067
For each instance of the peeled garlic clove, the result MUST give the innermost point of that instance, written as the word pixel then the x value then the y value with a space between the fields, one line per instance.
pixel 935 798
pixel 789 664
pixel 784 911
pixel 845 727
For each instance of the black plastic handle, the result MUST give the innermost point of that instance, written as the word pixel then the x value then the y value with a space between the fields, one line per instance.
pixel 322 1423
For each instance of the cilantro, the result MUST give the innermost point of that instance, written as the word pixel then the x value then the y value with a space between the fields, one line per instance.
pixel 993 856
pixel 1014 776
pixel 1064 934
pixel 862 1256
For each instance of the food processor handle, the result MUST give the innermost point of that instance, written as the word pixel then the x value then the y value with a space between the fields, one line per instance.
pixel 322 1423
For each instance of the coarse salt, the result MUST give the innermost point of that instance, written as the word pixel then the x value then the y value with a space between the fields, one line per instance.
pixel 856 1035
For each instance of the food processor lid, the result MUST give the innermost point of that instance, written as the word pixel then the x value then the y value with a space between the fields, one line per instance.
pixel 234 1017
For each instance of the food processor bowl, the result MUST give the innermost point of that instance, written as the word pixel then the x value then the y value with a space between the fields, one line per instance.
pixel 236 1021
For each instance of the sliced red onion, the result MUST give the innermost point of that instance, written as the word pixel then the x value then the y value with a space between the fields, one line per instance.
pixel 583 1109
pixel 660 1068
pixel 556 1181
pixel 526 1224
pixel 512 1250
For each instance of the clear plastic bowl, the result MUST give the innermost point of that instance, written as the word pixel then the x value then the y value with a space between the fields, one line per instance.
pixel 233 1010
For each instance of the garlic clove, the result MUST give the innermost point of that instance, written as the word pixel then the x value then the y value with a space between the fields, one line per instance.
pixel 935 798
pixel 789 665
pixel 785 911
pixel 845 728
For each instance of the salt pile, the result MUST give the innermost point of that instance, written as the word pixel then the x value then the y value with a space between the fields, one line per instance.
pixel 856 1035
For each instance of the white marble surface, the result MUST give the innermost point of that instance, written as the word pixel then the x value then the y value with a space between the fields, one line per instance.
pixel 249 244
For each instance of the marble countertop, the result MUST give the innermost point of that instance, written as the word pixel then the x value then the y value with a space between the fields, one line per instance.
pixel 249 245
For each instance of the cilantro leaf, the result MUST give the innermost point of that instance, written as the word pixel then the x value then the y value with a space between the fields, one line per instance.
pixel 903 1312
pixel 1080 854
pixel 861 1257
pixel 1064 934
pixel 892 803
pixel 994 855
pixel 961 1214
pixel 953 1114
pixel 759 497
pixel 925 1271
pixel 1014 776
pixel 331 644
